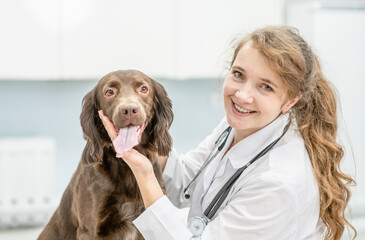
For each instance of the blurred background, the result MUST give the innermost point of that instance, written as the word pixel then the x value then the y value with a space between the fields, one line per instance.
pixel 53 52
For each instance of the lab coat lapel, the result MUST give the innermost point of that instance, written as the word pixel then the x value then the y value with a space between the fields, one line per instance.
pixel 208 175
pixel 202 187
pixel 248 148
pixel 206 180
pixel 211 171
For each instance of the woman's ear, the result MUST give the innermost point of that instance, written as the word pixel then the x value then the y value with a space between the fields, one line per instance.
pixel 289 104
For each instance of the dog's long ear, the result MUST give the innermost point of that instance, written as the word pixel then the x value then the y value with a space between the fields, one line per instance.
pixel 90 123
pixel 162 120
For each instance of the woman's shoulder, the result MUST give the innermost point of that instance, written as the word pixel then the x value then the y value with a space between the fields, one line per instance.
pixel 289 161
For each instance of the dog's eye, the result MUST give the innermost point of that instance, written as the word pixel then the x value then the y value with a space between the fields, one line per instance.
pixel 109 93
pixel 144 89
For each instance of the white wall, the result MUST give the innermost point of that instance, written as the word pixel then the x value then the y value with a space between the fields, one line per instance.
pixel 337 34
pixel 67 39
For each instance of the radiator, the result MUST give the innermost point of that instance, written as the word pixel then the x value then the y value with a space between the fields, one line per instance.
pixel 26 181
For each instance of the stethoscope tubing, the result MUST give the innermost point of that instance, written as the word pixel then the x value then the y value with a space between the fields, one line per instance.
pixel 221 141
pixel 223 193
pixel 198 224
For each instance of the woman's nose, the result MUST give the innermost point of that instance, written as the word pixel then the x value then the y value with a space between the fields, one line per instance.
pixel 245 95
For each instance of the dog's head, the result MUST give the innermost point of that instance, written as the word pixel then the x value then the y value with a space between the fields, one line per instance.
pixel 127 98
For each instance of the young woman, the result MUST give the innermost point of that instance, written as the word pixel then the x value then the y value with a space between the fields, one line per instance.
pixel 276 98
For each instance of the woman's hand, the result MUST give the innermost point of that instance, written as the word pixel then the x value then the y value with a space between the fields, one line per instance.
pixel 139 164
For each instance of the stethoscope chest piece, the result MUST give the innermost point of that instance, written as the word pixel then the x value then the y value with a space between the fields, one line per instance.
pixel 196 226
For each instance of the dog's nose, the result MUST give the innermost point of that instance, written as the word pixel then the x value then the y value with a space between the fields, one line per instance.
pixel 129 110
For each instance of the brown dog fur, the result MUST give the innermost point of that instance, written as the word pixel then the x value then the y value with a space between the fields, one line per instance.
pixel 103 198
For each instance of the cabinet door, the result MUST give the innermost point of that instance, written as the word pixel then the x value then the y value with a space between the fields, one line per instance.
pixel 103 36
pixel 28 39
pixel 207 28
pixel 85 39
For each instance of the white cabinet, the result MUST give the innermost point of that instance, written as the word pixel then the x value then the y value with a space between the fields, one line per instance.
pixel 28 39
pixel 116 35
pixel 67 39
pixel 207 28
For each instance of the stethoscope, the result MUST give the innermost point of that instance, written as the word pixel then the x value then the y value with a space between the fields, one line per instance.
pixel 197 224
pixel 218 146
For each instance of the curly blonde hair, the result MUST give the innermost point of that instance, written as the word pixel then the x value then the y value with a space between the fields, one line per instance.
pixel 315 113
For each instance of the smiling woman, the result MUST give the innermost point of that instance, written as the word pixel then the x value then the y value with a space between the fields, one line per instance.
pixel 296 71
pixel 280 169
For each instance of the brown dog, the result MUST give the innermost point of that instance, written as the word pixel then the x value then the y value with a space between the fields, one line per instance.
pixel 103 198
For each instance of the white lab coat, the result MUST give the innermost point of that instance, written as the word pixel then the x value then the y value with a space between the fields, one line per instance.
pixel 275 198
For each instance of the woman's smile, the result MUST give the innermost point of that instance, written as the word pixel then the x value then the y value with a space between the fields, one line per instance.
pixel 241 111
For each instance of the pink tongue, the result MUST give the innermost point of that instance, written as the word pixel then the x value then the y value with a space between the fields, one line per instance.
pixel 126 139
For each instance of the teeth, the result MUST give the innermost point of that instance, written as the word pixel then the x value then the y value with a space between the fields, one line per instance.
pixel 241 110
pixel 140 129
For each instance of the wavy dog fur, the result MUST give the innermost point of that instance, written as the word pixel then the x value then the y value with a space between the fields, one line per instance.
pixel 103 198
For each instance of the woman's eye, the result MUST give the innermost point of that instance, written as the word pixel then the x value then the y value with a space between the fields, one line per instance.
pixel 144 89
pixel 267 87
pixel 238 74
pixel 109 93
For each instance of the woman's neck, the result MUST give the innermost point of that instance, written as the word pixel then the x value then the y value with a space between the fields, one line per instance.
pixel 242 134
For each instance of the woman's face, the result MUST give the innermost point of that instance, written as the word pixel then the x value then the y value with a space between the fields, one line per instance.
pixel 253 93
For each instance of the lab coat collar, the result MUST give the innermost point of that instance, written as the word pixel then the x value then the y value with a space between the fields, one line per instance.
pixel 248 147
